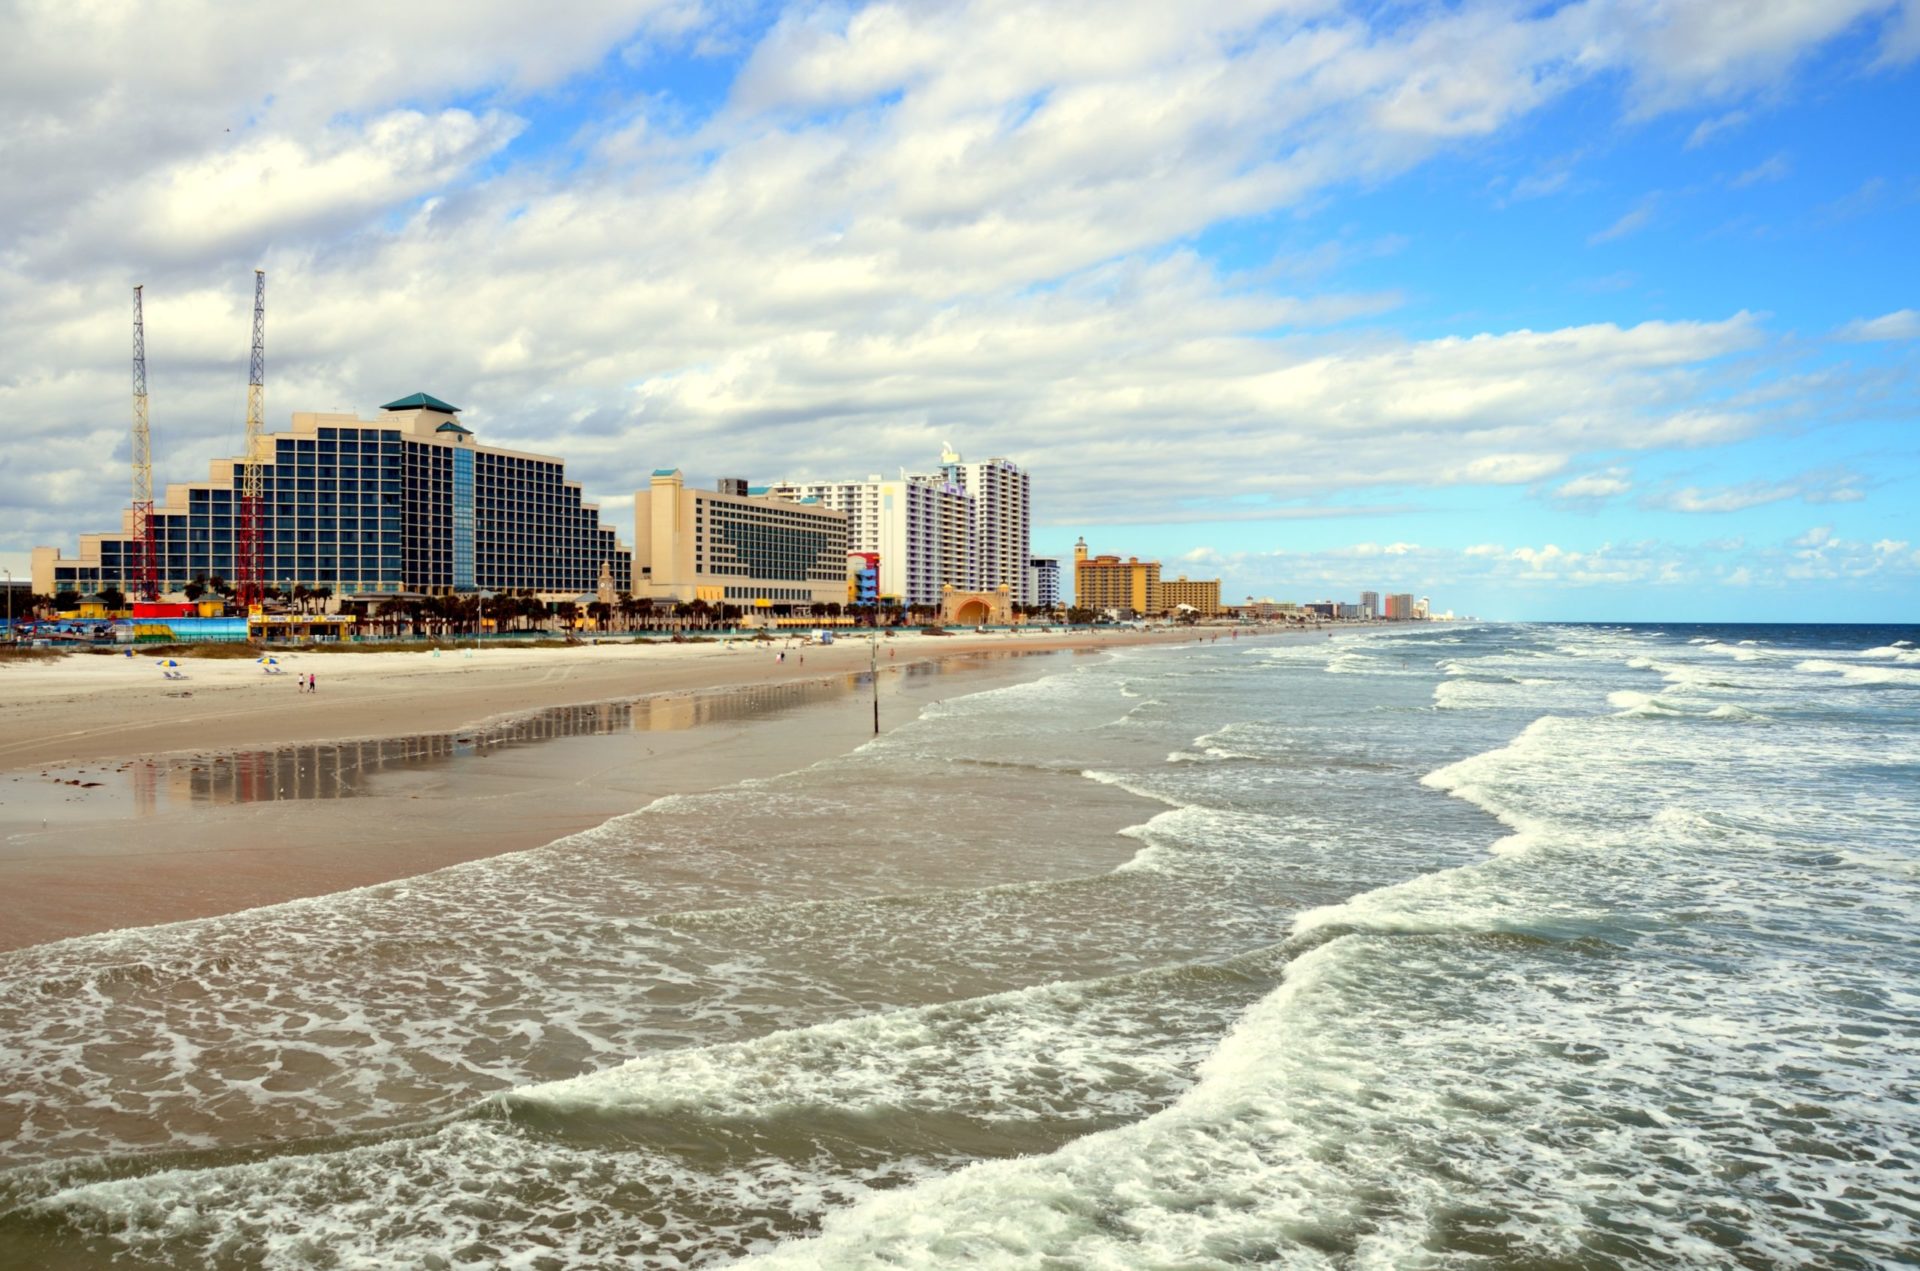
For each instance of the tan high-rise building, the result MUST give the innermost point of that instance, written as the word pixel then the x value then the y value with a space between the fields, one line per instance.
pixel 1203 594
pixel 746 549
pixel 1107 582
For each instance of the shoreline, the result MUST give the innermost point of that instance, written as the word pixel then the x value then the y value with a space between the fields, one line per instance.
pixel 192 831
pixel 88 707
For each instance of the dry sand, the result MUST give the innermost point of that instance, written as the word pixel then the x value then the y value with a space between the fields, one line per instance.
pixel 94 706
pixel 125 801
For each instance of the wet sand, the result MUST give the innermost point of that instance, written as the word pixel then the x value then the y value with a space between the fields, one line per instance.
pixel 134 840
pixel 86 707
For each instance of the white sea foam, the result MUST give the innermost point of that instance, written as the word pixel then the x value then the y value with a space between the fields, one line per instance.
pixel 1697 954
pixel 1855 674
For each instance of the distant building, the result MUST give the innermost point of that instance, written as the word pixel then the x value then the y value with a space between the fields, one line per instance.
pixel 1002 522
pixel 406 501
pixel 1043 581
pixel 863 578
pixel 1107 582
pixel 966 527
pixel 1369 604
pixel 751 550
pixel 1399 607
pixel 1201 594
pixel 921 528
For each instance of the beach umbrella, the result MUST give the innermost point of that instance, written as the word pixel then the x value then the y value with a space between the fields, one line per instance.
pixel 168 662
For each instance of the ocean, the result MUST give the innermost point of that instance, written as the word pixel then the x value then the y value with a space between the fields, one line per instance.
pixel 1530 946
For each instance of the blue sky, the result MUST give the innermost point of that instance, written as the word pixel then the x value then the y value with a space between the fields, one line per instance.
pixel 1604 309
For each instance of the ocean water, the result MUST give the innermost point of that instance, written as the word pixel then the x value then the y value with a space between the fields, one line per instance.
pixel 1489 947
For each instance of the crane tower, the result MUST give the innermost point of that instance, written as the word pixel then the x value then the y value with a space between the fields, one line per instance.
pixel 247 565
pixel 146 560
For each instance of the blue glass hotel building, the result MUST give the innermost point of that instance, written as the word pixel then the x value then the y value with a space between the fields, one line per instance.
pixel 404 502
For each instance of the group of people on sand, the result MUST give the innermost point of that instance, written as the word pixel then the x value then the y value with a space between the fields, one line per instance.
pixel 306 682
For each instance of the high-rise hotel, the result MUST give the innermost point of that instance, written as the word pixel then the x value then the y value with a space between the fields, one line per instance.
pixel 967 526
pixel 1002 522
pixel 406 501
pixel 919 528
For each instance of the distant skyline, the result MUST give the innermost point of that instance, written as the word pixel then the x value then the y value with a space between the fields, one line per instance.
pixel 1599 310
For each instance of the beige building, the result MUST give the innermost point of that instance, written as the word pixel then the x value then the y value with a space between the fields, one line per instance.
pixel 1203 594
pixel 1107 582
pixel 741 547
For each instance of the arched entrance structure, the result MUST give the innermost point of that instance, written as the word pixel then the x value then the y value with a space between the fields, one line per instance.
pixel 976 608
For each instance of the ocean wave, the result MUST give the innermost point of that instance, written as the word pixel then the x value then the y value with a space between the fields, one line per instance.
pixel 1856 674
pixel 1087 1050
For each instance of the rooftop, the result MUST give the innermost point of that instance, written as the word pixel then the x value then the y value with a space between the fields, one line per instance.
pixel 421 401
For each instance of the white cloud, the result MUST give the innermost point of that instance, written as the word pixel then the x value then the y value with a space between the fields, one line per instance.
pixel 1728 499
pixel 1901 324
pixel 1707 129
pixel 1774 168
pixel 906 223
pixel 1902 42
pixel 1596 485
pixel 1827 485
pixel 1632 221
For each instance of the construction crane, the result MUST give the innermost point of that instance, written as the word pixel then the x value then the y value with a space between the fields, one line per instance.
pixel 146 560
pixel 247 562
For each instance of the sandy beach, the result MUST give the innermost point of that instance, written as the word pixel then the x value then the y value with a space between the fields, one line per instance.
pixel 89 707
pixel 128 799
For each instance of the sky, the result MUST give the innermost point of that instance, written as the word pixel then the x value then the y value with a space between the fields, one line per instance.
pixel 1601 310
